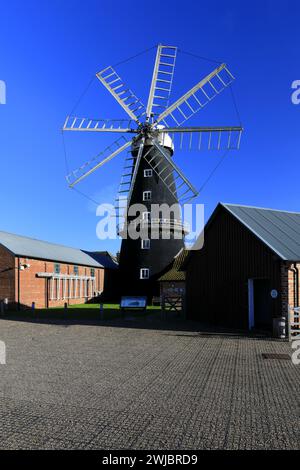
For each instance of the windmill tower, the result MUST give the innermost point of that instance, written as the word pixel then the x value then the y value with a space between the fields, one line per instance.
pixel 151 178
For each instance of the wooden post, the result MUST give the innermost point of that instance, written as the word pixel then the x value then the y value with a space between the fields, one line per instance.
pixel 163 308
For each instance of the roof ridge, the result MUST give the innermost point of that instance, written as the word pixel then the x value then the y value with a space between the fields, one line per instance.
pixel 39 240
pixel 257 207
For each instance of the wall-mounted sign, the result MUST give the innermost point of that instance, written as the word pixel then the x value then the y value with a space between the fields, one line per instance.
pixel 274 294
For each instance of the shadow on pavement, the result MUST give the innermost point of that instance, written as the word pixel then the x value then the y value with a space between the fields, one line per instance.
pixel 174 325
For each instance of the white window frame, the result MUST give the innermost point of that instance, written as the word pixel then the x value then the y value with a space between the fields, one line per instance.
pixel 146 216
pixel 144 273
pixel 148 172
pixel 145 244
pixel 147 195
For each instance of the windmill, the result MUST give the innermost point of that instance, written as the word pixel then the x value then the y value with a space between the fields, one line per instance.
pixel 150 174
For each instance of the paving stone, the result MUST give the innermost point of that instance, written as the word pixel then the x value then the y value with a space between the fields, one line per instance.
pixel 144 386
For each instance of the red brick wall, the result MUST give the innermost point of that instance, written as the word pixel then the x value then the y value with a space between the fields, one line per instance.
pixel 34 289
pixel 288 278
pixel 7 275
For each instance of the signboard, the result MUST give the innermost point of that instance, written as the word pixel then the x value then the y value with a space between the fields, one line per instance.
pixel 132 302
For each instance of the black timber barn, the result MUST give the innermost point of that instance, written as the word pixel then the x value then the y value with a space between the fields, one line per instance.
pixel 247 272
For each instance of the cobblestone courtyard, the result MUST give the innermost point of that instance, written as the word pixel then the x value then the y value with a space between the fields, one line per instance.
pixel 75 386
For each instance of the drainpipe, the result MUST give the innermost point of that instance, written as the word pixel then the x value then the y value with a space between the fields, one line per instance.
pixel 296 286
pixel 18 268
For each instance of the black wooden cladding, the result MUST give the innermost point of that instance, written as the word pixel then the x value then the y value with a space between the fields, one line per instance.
pixel 217 275
pixel 161 252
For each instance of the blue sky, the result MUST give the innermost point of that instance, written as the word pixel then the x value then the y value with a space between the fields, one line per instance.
pixel 51 49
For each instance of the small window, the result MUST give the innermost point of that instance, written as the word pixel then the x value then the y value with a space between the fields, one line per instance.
pixel 146 216
pixel 57 268
pixel 144 273
pixel 92 272
pixel 148 173
pixel 147 196
pixel 76 271
pixel 145 244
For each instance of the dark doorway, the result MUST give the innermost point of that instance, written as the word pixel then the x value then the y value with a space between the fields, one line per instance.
pixel 262 304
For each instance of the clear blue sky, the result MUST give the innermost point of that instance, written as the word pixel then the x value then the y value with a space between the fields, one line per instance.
pixel 50 50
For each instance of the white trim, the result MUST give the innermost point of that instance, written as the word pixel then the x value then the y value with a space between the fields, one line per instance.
pixel 58 289
pixel 144 245
pixel 63 276
pixel 144 271
pixel 148 173
pixel 147 195
pixel 146 215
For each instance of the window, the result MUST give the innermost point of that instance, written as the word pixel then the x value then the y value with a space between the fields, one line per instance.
pixel 76 271
pixel 145 244
pixel 57 268
pixel 147 196
pixel 144 273
pixel 148 173
pixel 146 216
pixel 93 272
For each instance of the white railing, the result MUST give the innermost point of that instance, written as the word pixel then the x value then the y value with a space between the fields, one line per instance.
pixel 155 223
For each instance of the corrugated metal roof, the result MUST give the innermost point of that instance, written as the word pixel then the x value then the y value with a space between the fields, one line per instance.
pixel 32 248
pixel 279 230
pixel 106 259
pixel 174 273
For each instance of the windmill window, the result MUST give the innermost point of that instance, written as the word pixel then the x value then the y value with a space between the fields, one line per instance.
pixel 145 244
pixel 146 216
pixel 92 272
pixel 147 196
pixel 144 273
pixel 76 270
pixel 148 173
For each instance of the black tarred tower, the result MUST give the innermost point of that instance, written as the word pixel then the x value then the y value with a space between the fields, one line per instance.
pixel 151 180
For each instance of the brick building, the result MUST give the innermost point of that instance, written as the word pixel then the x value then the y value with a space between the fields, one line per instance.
pixel 46 273
pixel 248 271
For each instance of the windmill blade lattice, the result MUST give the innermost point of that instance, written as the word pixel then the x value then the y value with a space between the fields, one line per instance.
pixel 106 155
pixel 122 94
pixel 169 173
pixel 75 123
pixel 197 98
pixel 162 80
pixel 208 138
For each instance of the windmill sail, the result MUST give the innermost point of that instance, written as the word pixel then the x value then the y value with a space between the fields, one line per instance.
pixel 122 94
pixel 162 80
pixel 197 97
pixel 106 155
pixel 75 123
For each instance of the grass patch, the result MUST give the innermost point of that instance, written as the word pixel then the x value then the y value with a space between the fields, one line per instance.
pixel 84 311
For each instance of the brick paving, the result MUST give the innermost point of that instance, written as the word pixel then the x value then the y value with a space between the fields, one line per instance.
pixel 85 386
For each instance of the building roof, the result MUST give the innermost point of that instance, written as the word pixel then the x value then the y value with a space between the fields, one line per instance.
pixel 174 273
pixel 279 230
pixel 105 258
pixel 38 249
